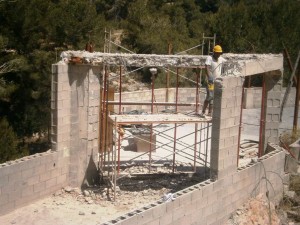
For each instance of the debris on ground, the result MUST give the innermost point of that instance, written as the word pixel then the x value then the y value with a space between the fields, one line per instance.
pixel 258 210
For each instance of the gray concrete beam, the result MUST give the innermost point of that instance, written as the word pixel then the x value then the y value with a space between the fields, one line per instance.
pixel 236 65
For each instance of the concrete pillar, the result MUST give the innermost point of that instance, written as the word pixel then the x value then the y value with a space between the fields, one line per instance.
pixel 60 109
pixel 75 119
pixel 225 126
pixel 272 100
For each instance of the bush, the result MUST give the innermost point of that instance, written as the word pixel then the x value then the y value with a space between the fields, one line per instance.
pixel 289 137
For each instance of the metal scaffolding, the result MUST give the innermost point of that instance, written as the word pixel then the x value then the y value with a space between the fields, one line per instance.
pixel 113 119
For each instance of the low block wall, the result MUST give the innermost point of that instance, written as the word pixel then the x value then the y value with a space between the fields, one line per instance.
pixel 188 95
pixel 253 97
pixel 31 178
pixel 212 202
pixel 185 95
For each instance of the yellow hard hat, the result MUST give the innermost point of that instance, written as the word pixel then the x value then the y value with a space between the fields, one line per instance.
pixel 218 48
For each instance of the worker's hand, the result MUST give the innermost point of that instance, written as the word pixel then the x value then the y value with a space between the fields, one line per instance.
pixel 210 80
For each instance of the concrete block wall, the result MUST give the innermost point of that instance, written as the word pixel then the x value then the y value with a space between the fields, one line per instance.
pixel 225 126
pixel 60 109
pixel 184 95
pixel 273 81
pixel 31 178
pixel 75 118
pixel 212 202
pixel 253 97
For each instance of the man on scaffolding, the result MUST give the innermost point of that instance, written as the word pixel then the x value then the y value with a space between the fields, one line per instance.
pixel 213 66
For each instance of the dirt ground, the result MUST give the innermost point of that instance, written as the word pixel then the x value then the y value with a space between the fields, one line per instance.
pixel 93 206
pixel 72 206
pixel 259 210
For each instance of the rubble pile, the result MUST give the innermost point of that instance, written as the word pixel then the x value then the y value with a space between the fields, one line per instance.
pixel 132 191
pixel 260 211
pixel 255 211
pixel 290 204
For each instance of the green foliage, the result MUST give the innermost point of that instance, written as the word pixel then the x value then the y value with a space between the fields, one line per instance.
pixel 34 32
pixel 258 26
pixel 8 142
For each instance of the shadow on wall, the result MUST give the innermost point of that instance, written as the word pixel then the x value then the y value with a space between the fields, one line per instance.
pixel 92 176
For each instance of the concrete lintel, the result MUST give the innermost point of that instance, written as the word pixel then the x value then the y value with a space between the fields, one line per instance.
pixel 263 65
pixel 236 65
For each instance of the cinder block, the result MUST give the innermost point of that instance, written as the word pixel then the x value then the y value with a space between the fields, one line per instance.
pixel 182 221
pixel 25 200
pixel 178 213
pixel 4 199
pixel 52 182
pixel 45 176
pixel 227 171
pixel 196 195
pixel 212 198
pixel 12 178
pixel 222 193
pixel 225 152
pixel 224 133
pixel 159 210
pixel 195 217
pixel 207 190
pixel 222 184
pixel 39 169
pixel 55 172
pixel 39 187
pixel 172 205
pixel 8 188
pixel 206 211
pixel 51 164
pixel 211 219
pixel 185 199
pixel 166 219
pixel 27 191
pixel 33 180
pixel 6 208
pixel 27 173
pixel 145 216
pixel 234 130
pixel 201 203
pixel 227 200
pixel 62 179
pixel 228 141
pixel 230 122
pixel 3 180
pixel 154 222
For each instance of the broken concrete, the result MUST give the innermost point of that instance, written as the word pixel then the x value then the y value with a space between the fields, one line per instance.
pixel 236 65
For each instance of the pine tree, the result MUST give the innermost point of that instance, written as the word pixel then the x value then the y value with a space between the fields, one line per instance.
pixel 8 142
